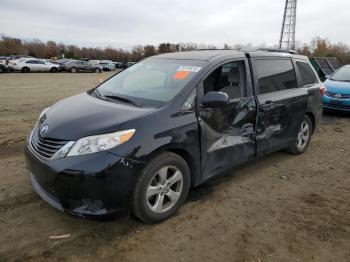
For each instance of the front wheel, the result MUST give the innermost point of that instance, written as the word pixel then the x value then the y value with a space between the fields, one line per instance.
pixel 162 188
pixel 303 138
pixel 25 70
pixel 73 70
pixel 97 70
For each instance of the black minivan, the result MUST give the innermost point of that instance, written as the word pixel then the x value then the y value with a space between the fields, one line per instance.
pixel 140 140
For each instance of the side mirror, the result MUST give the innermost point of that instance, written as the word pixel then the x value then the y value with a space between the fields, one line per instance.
pixel 215 99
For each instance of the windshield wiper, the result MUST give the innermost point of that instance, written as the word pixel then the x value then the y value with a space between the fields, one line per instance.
pixel 123 99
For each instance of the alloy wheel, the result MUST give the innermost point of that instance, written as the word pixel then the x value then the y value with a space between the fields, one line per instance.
pixel 303 135
pixel 164 189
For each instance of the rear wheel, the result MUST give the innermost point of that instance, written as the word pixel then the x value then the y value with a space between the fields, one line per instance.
pixel 303 138
pixel 25 69
pixel 97 70
pixel 162 188
pixel 73 70
pixel 54 70
pixel 1 70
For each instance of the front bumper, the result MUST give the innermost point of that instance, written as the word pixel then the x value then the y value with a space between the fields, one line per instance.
pixel 330 103
pixel 94 185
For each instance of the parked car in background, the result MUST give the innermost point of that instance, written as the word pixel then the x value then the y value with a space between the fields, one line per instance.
pixel 12 58
pixel 94 62
pixel 3 68
pixel 337 94
pixel 51 61
pixel 117 64
pixel 140 140
pixel 3 59
pixel 81 66
pixel 107 65
pixel 125 65
pixel 61 62
pixel 26 65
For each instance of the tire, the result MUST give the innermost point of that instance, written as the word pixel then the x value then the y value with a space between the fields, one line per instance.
pixel 303 138
pixel 173 171
pixel 97 70
pixel 1 70
pixel 54 70
pixel 73 70
pixel 25 70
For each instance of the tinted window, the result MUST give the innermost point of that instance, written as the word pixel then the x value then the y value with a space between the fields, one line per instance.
pixel 275 75
pixel 226 78
pixel 32 62
pixel 306 73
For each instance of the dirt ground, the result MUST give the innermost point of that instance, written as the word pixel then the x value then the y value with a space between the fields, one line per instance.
pixel 278 208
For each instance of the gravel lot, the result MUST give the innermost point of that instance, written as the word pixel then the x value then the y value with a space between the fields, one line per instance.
pixel 278 208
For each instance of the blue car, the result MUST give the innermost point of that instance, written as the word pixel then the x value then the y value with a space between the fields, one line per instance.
pixel 337 94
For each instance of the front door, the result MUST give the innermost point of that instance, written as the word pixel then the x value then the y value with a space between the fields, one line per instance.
pixel 228 133
pixel 282 105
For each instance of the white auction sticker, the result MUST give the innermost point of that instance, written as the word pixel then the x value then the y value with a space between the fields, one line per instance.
pixel 189 68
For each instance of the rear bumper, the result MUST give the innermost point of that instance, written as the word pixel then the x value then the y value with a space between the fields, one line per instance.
pixel 94 185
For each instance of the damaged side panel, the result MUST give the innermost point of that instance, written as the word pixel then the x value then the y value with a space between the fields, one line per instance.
pixel 228 135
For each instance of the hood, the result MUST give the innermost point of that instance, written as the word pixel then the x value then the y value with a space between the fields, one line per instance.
pixel 84 115
pixel 337 86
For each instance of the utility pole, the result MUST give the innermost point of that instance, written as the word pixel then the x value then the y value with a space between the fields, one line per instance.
pixel 287 38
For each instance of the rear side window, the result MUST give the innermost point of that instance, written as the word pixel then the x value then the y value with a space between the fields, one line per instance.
pixel 306 73
pixel 275 75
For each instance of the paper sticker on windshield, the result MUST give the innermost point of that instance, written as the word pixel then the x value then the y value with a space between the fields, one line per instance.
pixel 181 75
pixel 189 68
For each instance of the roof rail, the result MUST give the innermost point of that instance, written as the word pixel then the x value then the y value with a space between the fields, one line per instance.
pixel 293 52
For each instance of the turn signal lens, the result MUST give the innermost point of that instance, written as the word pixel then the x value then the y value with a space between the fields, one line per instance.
pixel 126 136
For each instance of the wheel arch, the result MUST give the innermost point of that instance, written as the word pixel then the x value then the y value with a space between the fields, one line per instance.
pixel 190 159
pixel 313 120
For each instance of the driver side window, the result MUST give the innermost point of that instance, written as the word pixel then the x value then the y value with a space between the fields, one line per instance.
pixel 227 78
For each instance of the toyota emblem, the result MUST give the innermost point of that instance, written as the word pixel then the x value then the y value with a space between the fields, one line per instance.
pixel 44 129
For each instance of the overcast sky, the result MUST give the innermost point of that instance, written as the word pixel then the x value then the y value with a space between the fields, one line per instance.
pixel 129 22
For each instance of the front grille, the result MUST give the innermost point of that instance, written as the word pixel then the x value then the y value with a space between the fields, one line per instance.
pixel 46 147
pixel 337 95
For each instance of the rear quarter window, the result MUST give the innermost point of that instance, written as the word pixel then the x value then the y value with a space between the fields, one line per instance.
pixel 306 73
pixel 275 75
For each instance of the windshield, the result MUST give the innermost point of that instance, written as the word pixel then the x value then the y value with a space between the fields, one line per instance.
pixel 342 74
pixel 152 82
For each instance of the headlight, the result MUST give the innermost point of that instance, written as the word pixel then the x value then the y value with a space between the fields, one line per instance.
pixel 93 144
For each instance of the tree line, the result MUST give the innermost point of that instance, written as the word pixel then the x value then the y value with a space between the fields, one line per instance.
pixel 318 47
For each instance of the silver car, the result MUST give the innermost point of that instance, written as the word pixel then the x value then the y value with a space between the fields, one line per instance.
pixel 107 65
pixel 26 65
